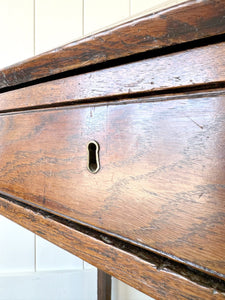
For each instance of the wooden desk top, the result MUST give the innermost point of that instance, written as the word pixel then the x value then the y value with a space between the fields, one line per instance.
pixel 150 94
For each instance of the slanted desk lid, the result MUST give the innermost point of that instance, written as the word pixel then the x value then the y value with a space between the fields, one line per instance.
pixel 186 22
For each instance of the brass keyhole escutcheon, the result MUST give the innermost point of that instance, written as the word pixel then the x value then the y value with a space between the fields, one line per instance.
pixel 93 163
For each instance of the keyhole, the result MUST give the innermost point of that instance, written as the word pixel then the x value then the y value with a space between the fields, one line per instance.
pixel 93 157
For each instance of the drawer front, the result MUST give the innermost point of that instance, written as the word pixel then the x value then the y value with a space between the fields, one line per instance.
pixel 161 182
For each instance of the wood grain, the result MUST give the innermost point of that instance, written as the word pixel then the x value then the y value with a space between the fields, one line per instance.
pixel 161 182
pixel 146 76
pixel 144 276
pixel 186 22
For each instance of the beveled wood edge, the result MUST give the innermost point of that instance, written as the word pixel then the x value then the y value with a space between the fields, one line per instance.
pixel 189 21
pixel 158 75
pixel 156 281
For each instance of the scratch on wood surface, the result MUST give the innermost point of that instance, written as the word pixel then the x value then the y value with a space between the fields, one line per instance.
pixel 195 123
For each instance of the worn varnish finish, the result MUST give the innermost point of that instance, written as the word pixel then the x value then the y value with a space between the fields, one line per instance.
pixel 161 182
pixel 154 214
pixel 145 76
pixel 157 281
pixel 186 22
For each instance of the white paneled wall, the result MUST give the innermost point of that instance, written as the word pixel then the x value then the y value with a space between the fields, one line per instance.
pixel 34 267
pixel 61 285
pixel 16 248
pixel 57 22
pixel 99 14
pixel 122 291
pixel 17 31
pixel 51 258
pixel 147 6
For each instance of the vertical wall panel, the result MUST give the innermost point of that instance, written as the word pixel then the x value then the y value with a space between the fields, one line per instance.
pixel 17 43
pixel 102 13
pixel 16 248
pixel 67 285
pixel 147 6
pixel 88 266
pixel 16 23
pixel 123 291
pixel 57 23
pixel 50 257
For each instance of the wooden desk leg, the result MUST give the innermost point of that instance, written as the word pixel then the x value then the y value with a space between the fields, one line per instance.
pixel 104 286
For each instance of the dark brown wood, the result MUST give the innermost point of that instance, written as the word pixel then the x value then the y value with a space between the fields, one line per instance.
pixel 153 216
pixel 186 22
pixel 156 281
pixel 161 182
pixel 147 76
pixel 104 285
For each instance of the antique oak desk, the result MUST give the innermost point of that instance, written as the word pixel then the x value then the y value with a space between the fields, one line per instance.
pixel 113 148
